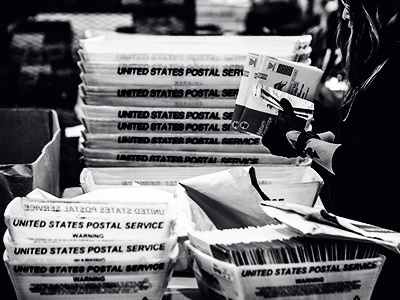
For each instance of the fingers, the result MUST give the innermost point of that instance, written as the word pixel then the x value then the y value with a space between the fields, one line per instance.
pixel 327 136
pixel 286 105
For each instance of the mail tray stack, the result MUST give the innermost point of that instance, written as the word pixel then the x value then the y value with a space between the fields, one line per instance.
pixel 92 249
pixel 155 101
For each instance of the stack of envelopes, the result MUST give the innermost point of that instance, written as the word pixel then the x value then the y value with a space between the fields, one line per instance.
pixel 277 261
pixel 270 80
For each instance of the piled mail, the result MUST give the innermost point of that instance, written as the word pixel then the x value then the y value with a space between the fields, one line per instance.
pixel 109 244
pixel 270 80
pixel 155 101
pixel 282 262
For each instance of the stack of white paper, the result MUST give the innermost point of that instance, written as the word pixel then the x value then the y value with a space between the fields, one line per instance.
pixel 109 244
pixel 154 101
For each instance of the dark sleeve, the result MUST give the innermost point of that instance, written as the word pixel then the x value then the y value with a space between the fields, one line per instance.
pixel 372 149
pixel 340 163
pixel 365 144
pixel 368 137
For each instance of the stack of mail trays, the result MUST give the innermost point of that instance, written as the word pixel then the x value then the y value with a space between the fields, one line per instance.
pixel 90 247
pixel 155 101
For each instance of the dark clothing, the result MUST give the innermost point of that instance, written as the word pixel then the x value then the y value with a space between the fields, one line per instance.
pixel 365 186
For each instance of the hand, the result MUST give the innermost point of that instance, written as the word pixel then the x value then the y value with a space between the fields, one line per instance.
pixel 287 119
pixel 324 136
pixel 275 138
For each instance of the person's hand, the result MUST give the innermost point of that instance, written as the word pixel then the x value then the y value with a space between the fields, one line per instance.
pixel 275 138
pixel 287 119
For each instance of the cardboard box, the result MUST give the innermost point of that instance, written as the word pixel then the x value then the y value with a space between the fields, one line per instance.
pixel 29 158
pixel 29 152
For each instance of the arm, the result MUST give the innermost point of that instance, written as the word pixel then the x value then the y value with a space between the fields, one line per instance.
pixel 321 151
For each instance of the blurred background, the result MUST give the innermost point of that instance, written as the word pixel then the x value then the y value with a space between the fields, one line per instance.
pixel 39 41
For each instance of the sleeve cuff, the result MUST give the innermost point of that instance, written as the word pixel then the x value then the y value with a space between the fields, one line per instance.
pixel 339 160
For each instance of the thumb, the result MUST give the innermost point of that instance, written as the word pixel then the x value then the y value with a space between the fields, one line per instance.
pixel 327 136
pixel 286 105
